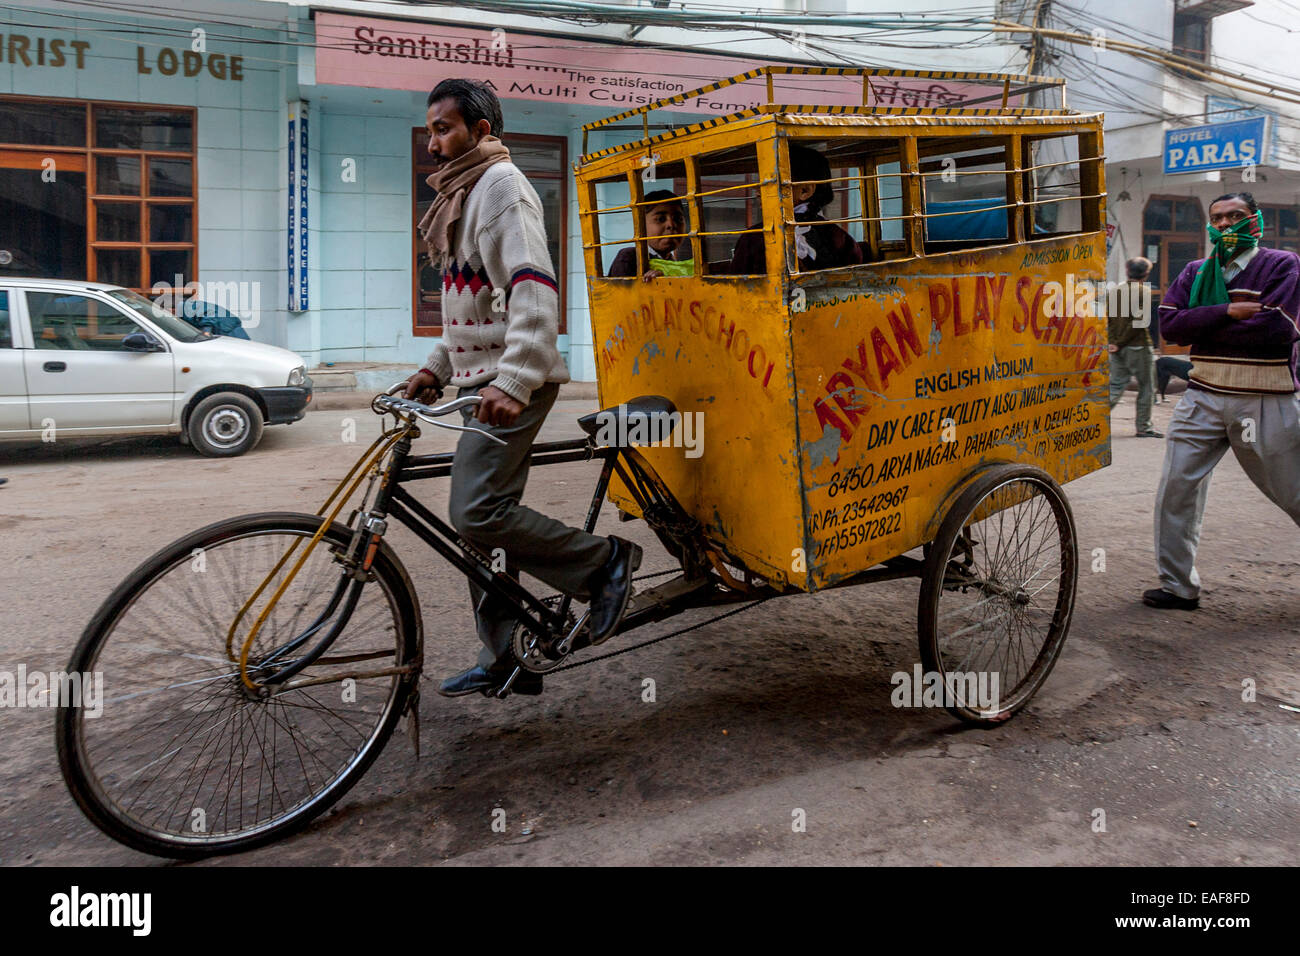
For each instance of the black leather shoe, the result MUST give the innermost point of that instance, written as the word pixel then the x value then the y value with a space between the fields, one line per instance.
pixel 611 587
pixel 480 680
pixel 1168 601
pixel 1150 434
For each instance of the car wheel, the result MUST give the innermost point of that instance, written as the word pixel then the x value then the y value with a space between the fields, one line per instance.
pixel 225 425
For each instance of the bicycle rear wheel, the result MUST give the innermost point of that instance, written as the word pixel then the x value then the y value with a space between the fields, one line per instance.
pixel 183 759
pixel 998 592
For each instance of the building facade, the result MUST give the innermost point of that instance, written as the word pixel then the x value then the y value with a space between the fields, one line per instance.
pixel 1176 141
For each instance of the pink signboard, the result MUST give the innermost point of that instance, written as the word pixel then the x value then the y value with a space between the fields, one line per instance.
pixel 403 55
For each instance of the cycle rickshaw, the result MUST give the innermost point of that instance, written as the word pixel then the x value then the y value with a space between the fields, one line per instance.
pixel 912 414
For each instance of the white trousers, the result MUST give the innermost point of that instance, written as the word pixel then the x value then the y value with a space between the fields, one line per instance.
pixel 1263 432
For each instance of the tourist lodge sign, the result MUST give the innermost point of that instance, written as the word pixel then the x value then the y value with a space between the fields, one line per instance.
pixel 21 49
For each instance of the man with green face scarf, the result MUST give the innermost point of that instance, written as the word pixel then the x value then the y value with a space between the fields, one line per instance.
pixel 1237 310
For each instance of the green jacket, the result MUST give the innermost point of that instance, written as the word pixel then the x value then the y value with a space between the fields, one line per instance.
pixel 1125 308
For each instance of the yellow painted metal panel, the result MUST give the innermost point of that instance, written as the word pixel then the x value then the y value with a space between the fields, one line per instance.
pixel 703 344
pixel 911 376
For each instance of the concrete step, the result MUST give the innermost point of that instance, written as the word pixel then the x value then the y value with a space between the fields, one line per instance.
pixel 333 379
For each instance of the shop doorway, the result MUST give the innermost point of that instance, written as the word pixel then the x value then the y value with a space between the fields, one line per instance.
pixel 544 160
pixel 1173 234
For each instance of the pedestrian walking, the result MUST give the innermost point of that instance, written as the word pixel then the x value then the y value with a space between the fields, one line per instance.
pixel 1237 310
pixel 486 230
pixel 1131 354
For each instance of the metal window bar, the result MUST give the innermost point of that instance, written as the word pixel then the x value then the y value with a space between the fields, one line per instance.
pixel 628 207
pixel 935 215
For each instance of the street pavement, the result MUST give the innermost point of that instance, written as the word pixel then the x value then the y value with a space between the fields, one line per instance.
pixel 761 722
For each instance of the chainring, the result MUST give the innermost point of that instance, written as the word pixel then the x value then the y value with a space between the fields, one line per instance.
pixel 534 652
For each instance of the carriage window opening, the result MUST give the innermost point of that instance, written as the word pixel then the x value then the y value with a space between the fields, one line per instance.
pixel 613 221
pixel 731 212
pixel 656 218
pixel 869 184
pixel 964 189
pixel 826 185
pixel 889 193
pixel 1054 186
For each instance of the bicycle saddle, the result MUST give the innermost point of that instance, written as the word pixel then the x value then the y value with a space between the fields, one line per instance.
pixel 644 415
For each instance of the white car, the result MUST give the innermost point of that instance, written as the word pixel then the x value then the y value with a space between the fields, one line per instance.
pixel 85 359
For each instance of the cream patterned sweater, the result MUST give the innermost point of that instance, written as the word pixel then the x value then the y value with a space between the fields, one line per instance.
pixel 500 244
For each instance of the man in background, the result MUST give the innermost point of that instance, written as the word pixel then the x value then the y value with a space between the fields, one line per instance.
pixel 1131 354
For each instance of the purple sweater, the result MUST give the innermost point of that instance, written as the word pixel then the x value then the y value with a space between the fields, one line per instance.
pixel 1241 356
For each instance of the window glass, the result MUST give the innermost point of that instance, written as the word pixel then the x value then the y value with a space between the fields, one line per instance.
pixel 889 187
pixel 614 226
pixel 6 331
pixel 964 191
pixel 117 175
pixel 730 203
pixel 119 128
pixel 117 221
pixel 71 322
pixel 1187 217
pixel 1191 37
pixel 1159 216
pixel 170 176
pixel 170 267
pixel 1288 222
pixel 43 224
pixel 45 231
pixel 178 329
pixel 42 124
pixel 171 222
pixel 119 266
pixel 1055 186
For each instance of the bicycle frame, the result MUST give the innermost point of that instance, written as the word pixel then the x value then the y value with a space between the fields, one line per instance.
pixel 704 581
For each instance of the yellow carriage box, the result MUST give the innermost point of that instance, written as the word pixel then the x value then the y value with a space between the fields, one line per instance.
pixel 842 375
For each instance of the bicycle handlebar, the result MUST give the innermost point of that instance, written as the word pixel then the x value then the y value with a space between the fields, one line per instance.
pixel 389 403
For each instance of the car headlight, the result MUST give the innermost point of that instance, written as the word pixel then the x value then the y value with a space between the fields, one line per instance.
pixel 298 375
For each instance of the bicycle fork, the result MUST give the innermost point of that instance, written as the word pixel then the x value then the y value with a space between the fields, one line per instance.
pixel 357 562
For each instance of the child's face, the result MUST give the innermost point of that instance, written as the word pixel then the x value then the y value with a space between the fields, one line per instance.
pixel 664 220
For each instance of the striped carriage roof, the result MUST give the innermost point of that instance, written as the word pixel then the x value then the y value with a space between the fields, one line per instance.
pixel 1012 84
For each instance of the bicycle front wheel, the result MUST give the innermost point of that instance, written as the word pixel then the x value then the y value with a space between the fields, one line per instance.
pixel 182 758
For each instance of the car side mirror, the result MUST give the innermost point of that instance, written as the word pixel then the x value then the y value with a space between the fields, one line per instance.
pixel 141 342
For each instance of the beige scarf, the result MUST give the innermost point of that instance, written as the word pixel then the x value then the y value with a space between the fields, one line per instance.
pixel 453 183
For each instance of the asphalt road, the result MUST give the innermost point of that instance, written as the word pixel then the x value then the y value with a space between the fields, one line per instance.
pixel 756 718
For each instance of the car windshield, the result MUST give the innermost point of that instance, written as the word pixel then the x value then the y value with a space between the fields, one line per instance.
pixel 178 329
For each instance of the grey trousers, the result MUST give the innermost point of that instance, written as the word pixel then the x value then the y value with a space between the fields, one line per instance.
pixel 1134 361
pixel 1263 431
pixel 487 483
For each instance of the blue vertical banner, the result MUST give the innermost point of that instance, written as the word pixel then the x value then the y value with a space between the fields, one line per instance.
pixel 298 208
pixel 291 259
pixel 302 209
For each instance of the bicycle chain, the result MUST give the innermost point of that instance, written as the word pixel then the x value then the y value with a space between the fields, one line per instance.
pixel 656 640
